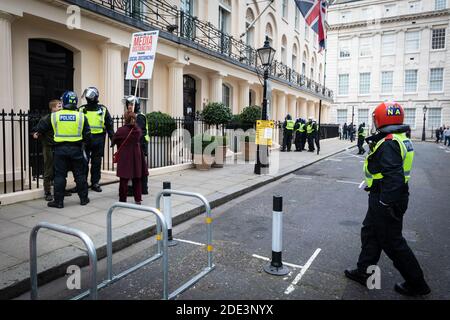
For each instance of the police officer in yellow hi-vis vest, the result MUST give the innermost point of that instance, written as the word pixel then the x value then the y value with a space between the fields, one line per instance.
pixel 70 129
pixel 101 123
pixel 288 130
pixel 133 103
pixel 311 129
pixel 387 170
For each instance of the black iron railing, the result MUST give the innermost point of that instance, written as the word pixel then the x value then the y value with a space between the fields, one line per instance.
pixel 161 15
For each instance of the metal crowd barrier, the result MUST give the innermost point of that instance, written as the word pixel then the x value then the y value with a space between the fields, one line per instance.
pixel 162 252
pixel 209 247
pixel 70 231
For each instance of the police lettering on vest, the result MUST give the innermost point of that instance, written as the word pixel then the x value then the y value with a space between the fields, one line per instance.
pixel 407 152
pixel 67 125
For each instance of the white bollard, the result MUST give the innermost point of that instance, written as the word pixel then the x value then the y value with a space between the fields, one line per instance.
pixel 276 267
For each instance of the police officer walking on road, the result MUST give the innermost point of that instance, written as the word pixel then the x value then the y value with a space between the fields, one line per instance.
pixel 361 137
pixel 100 122
pixel 71 129
pixel 133 103
pixel 288 130
pixel 387 170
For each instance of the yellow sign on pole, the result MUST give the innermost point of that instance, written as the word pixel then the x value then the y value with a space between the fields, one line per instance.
pixel 264 132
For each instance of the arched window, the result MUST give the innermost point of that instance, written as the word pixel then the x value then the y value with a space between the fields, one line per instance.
pixel 187 6
pixel 320 73
pixel 226 95
pixel 294 57
pixel 249 18
pixel 284 49
pixel 304 62
pixel 313 63
pixel 269 33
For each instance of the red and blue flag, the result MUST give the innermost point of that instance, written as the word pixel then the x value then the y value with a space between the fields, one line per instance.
pixel 314 12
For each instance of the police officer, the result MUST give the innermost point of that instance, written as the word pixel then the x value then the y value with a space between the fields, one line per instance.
pixel 361 137
pixel 100 122
pixel 310 129
pixel 133 103
pixel 288 129
pixel 70 130
pixel 299 133
pixel 387 170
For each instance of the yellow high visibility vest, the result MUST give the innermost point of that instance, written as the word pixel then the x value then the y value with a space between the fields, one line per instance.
pixel 96 119
pixel 301 127
pixel 147 136
pixel 290 125
pixel 309 128
pixel 407 152
pixel 67 125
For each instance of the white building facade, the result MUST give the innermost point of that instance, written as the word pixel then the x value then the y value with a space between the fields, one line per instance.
pixel 382 50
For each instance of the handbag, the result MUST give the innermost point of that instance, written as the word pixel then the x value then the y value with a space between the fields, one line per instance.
pixel 117 153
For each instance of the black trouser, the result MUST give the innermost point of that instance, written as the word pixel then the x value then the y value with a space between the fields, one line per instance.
pixel 382 231
pixel 47 152
pixel 298 141
pixel 95 154
pixel 303 140
pixel 360 145
pixel 69 157
pixel 287 140
pixel 310 142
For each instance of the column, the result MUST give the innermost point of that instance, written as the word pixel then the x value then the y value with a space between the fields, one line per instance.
pixel 175 98
pixel 112 77
pixel 292 106
pixel 281 106
pixel 244 93
pixel 316 111
pixel 216 87
pixel 6 80
pixel 303 109
pixel 310 105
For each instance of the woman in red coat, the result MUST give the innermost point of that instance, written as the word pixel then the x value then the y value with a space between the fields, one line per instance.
pixel 131 163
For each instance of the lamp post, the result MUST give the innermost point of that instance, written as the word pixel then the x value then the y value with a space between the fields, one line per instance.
pixel 266 55
pixel 424 118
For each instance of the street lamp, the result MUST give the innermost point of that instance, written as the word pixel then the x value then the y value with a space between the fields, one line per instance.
pixel 266 55
pixel 424 118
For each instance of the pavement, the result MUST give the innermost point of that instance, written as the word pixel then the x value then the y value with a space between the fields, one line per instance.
pixel 57 251
pixel 323 209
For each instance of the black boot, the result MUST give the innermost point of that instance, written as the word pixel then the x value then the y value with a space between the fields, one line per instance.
pixel 358 276
pixel 408 290
pixel 96 187
pixel 84 201
pixel 55 204
pixel 48 196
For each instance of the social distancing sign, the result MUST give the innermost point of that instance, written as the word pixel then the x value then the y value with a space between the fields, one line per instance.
pixel 142 55
pixel 264 132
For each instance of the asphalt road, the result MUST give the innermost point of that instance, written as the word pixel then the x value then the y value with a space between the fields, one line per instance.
pixel 323 209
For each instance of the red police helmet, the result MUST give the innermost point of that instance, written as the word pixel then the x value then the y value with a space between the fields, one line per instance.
pixel 388 113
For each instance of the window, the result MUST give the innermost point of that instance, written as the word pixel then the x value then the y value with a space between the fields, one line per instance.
pixel 284 9
pixel 438 39
pixel 341 116
pixel 364 83
pixel 226 95
pixel 344 49
pixel 250 39
pixel 343 84
pixel 363 116
pixel 187 6
pixel 346 16
pixel 390 10
pixel 142 92
pixel 415 6
pixel 411 81
pixel 434 118
pixel 283 50
pixel 294 57
pixel 269 34
pixel 388 44
pixel 410 117
pixel 387 80
pixel 412 41
pixel 437 79
pixel 305 59
pixel 297 18
pixel 365 47
pixel 440 4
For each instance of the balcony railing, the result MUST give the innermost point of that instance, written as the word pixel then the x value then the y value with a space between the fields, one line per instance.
pixel 161 15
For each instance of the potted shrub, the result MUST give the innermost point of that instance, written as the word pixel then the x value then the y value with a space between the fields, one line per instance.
pixel 221 146
pixel 250 115
pixel 160 128
pixel 216 113
pixel 203 148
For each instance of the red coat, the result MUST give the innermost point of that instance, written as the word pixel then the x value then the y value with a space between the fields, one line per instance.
pixel 131 162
